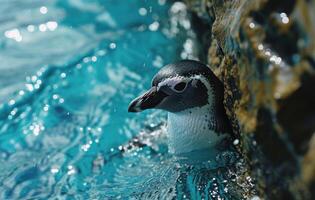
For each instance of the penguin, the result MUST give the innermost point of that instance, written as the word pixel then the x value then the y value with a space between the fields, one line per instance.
pixel 193 97
pixel 199 159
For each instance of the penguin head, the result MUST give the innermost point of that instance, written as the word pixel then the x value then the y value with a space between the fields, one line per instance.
pixel 180 86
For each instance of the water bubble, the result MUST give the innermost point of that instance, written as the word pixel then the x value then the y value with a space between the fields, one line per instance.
pixel 13 34
pixel 42 27
pixel 101 52
pixel 36 86
pixel 284 18
pixel 252 25
pixel 29 87
pixel 14 111
pixel 34 78
pixel 78 66
pixel 43 10
pixel 11 102
pixel 267 53
pixel 54 169
pixel 55 96
pixel 85 147
pixel 154 26
pixel 273 58
pixel 63 75
pixel 71 170
pixel 30 28
pixel 52 25
pixel 278 60
pixel 112 45
pixel 86 60
pixel 46 107
pixel 36 128
pixel 236 142
pixel 40 72
pixel 94 58
pixel 143 11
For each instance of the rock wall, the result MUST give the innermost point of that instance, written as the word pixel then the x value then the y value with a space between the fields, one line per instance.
pixel 264 52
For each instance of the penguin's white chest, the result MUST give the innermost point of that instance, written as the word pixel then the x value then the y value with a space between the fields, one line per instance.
pixel 191 130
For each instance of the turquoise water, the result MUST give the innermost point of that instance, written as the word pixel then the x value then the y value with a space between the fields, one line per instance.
pixel 67 74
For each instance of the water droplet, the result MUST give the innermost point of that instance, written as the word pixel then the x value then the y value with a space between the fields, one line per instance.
pixel 78 66
pixel 42 27
pixel 251 25
pixel 29 87
pixel 154 26
pixel 63 75
pixel 112 45
pixel 52 25
pixel 46 107
pixel 13 34
pixel 31 28
pixel 267 53
pixel 11 102
pixel 21 92
pixel 13 112
pixel 86 60
pixel 43 10
pixel 143 11
pixel 55 96
pixel 36 128
pixel 284 18
pixel 94 58
pixel 54 169
pixel 71 170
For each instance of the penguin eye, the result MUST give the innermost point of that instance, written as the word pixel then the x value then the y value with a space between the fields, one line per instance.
pixel 179 87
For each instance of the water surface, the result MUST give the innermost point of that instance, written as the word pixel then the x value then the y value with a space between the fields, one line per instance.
pixel 67 74
pixel 68 71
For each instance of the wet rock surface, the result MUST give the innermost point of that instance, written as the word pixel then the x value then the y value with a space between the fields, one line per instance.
pixel 264 52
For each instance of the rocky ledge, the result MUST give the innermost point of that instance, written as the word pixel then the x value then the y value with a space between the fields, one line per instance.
pixel 264 52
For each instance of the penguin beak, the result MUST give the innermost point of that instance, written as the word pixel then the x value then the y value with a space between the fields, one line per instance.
pixel 149 99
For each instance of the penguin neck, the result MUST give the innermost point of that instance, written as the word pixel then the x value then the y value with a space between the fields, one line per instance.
pixel 193 129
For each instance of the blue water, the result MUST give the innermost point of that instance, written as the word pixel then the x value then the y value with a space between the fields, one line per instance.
pixel 67 74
